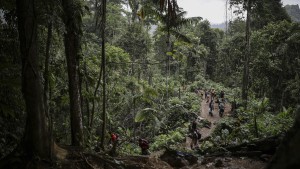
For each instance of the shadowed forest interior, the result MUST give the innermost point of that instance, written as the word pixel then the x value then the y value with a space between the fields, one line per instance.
pixel 136 84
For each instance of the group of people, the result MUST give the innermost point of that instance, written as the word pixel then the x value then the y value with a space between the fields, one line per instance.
pixel 210 97
pixel 194 133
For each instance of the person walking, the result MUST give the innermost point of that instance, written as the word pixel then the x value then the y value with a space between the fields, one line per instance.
pixel 194 135
pixel 144 145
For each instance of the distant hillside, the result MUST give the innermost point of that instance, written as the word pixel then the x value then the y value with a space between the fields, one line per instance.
pixel 220 26
pixel 293 11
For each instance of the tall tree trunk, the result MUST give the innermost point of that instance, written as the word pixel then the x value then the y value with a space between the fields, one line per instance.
pixel 36 139
pixel 104 74
pixel 72 40
pixel 247 56
pixel 134 5
pixel 46 71
pixel 46 83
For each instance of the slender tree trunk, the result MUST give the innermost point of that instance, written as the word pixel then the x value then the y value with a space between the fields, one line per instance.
pixel 72 40
pixel 247 56
pixel 46 83
pixel 80 90
pixel 134 5
pixel 255 125
pixel 36 138
pixel 87 101
pixel 46 72
pixel 168 61
pixel 104 74
pixel 94 96
pixel 134 114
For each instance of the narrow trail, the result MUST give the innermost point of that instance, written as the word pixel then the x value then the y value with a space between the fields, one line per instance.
pixel 205 132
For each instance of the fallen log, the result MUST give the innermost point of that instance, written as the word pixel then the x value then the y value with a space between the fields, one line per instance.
pixel 266 145
pixel 178 159
pixel 254 148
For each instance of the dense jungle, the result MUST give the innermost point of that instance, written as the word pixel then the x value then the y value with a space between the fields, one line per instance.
pixel 136 84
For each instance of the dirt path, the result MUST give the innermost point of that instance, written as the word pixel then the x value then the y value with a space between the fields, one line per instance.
pixel 213 119
pixel 206 132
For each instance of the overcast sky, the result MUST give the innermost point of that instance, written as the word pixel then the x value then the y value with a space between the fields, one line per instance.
pixel 212 10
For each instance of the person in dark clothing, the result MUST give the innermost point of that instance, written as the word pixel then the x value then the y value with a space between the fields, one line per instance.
pixel 144 144
pixel 114 141
pixel 222 94
pixel 213 94
pixel 194 135
pixel 233 108
pixel 194 125
pixel 211 107
pixel 221 107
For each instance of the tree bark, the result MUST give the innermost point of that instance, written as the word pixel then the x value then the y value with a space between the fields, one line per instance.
pixel 104 75
pixel 36 138
pixel 46 84
pixel 247 56
pixel 87 101
pixel 80 90
pixel 46 71
pixel 94 97
pixel 72 41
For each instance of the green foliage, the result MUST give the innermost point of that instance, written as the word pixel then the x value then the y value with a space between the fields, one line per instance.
pixel 270 124
pixel 12 106
pixel 152 80
pixel 242 129
pixel 275 61
pixel 173 139
pixel 263 12
pixel 145 113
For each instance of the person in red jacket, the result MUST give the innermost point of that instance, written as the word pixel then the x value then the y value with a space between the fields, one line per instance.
pixel 114 142
pixel 114 137
pixel 144 144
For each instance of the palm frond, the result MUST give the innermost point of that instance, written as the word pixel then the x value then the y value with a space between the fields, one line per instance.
pixel 180 36
pixel 182 22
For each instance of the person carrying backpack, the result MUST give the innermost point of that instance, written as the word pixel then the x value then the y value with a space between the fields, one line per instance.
pixel 144 144
pixel 211 107
pixel 222 94
pixel 114 141
pixel 213 94
pixel 194 135
pixel 221 107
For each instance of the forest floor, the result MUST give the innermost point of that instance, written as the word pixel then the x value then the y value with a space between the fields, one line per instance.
pixel 165 159
pixel 203 114
pixel 226 162
pixel 156 161
pixel 205 132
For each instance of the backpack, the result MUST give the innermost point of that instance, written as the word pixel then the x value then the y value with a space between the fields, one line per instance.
pixel 190 128
pixel 144 144
pixel 195 135
pixel 221 106
pixel 114 137
pixel 198 135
